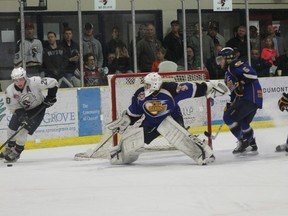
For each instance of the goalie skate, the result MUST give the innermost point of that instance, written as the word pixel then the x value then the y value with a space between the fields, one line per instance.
pixel 282 148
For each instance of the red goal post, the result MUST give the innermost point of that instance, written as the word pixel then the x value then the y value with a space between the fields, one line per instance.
pixel 196 111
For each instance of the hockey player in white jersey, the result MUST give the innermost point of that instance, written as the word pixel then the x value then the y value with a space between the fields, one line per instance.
pixel 24 98
pixel 283 105
pixel 158 102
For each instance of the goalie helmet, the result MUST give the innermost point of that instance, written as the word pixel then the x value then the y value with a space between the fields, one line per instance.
pixel 152 83
pixel 18 73
pixel 226 53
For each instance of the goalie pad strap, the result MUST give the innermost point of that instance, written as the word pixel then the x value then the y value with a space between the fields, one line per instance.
pixel 130 147
pixel 184 141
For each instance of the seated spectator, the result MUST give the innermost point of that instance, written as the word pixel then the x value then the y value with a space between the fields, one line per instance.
pixel 160 56
pixel 122 60
pixel 93 76
pixel 111 63
pixel 269 53
pixel 282 62
pixel 193 63
pixel 260 65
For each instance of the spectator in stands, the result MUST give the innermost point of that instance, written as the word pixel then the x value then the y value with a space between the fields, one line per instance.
pixel 194 42
pixel 279 42
pixel 254 38
pixel 173 42
pixel 93 76
pixel 269 53
pixel 92 45
pixel 240 43
pixel 260 65
pixel 122 60
pixel 72 49
pixel 33 52
pixel 160 56
pixel 55 60
pixel 140 35
pixel 111 63
pixel 213 32
pixel 146 49
pixel 215 71
pixel 282 64
pixel 193 61
pixel 115 41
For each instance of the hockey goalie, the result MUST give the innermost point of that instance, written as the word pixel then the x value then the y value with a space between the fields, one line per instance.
pixel 158 102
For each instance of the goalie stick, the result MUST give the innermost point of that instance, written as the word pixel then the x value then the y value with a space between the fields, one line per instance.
pixel 209 135
pixel 22 126
pixel 90 152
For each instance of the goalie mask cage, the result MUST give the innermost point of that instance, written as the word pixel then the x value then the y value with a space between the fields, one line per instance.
pixel 196 111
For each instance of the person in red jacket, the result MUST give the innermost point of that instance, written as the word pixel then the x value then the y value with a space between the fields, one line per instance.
pixel 160 57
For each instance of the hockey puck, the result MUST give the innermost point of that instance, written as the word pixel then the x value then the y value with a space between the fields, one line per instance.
pixel 9 165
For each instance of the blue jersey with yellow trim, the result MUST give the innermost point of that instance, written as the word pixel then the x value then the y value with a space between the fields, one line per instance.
pixel 156 107
pixel 240 71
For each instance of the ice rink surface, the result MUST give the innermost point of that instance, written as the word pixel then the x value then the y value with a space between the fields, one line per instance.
pixel 48 182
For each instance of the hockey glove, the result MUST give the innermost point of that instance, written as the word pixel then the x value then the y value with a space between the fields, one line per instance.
pixel 239 88
pixel 227 107
pixel 23 117
pixel 283 102
pixel 48 102
pixel 120 124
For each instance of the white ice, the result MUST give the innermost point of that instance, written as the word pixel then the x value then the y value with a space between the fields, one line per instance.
pixel 48 182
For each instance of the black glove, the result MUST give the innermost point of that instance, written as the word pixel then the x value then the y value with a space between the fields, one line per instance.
pixel 48 101
pixel 283 102
pixel 23 117
pixel 227 107
pixel 239 88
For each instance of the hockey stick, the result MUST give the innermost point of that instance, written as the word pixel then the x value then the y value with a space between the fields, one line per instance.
pixel 209 135
pixel 22 126
pixel 90 152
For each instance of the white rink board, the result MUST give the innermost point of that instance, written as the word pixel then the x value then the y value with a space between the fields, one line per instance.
pixel 60 121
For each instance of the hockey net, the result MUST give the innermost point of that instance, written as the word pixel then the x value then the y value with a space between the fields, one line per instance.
pixel 196 111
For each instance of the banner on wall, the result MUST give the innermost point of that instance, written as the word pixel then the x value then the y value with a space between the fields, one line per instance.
pixel 222 5
pixel 89 106
pixel 105 5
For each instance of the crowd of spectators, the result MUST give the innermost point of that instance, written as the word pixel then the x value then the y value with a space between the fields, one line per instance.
pixel 59 58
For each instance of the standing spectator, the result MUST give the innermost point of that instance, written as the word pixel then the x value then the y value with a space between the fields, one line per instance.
pixel 160 57
pixel 239 43
pixel 279 42
pixel 115 40
pixel 208 43
pixel 146 49
pixel 213 32
pixel 33 53
pixel 72 49
pixel 93 76
pixel 173 42
pixel 260 65
pixel 55 60
pixel 269 53
pixel 215 71
pixel 254 38
pixel 122 60
pixel 92 45
pixel 282 63
pixel 193 61
pixel 111 63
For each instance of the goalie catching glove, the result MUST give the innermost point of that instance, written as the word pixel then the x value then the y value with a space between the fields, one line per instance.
pixel 283 102
pixel 120 124
pixel 216 88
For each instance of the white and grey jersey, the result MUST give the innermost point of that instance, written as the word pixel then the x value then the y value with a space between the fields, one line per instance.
pixel 32 94
pixel 33 52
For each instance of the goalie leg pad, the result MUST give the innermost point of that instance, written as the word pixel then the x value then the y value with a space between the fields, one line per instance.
pixel 216 88
pixel 189 144
pixel 130 147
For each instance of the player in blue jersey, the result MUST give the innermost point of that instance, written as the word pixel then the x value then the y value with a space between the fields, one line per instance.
pixel 158 102
pixel 246 99
pixel 283 105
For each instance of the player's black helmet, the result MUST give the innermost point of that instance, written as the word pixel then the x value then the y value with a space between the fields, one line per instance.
pixel 227 53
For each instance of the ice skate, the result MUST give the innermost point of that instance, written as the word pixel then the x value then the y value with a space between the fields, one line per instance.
pixel 281 148
pixel 14 154
pixel 5 153
pixel 246 148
